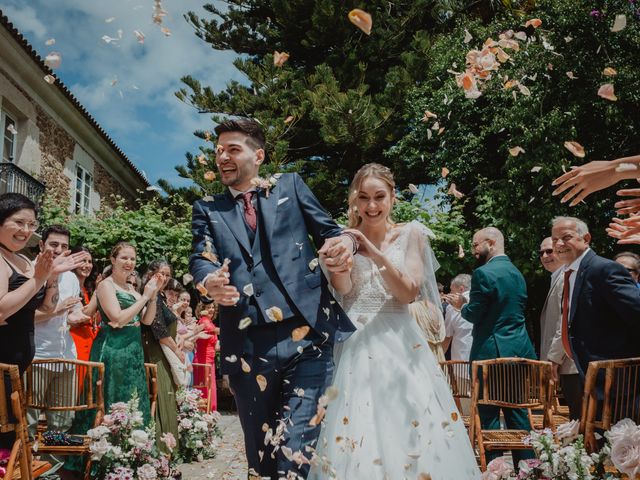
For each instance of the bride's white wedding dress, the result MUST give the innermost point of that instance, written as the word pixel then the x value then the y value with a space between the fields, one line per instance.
pixel 394 417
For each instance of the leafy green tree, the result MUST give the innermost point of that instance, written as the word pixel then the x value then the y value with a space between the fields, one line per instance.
pixel 154 230
pixel 337 102
pixel 560 67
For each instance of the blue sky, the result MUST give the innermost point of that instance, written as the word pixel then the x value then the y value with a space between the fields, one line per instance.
pixel 139 111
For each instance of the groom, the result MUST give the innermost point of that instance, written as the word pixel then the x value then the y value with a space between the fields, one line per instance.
pixel 278 321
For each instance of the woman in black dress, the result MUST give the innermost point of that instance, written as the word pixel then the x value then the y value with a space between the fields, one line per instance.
pixel 24 286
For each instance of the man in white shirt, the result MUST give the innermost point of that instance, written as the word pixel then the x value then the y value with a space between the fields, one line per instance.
pixel 52 337
pixel 457 330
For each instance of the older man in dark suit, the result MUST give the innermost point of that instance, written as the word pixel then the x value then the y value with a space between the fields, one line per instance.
pixel 600 301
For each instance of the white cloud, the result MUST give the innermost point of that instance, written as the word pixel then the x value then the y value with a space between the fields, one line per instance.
pixel 141 108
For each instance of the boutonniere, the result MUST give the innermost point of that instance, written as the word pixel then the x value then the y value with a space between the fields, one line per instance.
pixel 266 183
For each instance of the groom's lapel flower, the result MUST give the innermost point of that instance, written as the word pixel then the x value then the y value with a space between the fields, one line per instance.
pixel 266 184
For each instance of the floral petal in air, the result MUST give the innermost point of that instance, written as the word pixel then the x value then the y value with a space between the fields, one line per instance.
pixel 444 172
pixel 361 19
pixel 262 382
pixel 53 60
pixel 515 151
pixel 413 189
pixel 139 36
pixel 454 191
pixel 279 58
pixel 210 176
pixel 606 91
pixel 609 72
pixel 620 23
pixel 534 22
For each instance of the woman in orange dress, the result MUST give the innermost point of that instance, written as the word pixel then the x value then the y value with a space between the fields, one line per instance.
pixel 84 333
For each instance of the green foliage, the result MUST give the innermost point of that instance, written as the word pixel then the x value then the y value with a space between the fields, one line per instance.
pixel 501 190
pixel 156 231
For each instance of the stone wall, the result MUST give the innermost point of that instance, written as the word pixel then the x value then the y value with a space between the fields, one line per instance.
pixel 106 186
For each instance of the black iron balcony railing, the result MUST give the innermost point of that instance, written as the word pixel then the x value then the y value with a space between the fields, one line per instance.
pixel 15 180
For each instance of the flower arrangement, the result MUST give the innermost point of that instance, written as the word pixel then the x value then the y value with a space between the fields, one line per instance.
pixel 123 449
pixel 198 430
pixel 562 456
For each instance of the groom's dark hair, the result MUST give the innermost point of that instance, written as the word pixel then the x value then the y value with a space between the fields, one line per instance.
pixel 248 126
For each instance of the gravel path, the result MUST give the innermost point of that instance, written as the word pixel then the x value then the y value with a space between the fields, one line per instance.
pixel 229 463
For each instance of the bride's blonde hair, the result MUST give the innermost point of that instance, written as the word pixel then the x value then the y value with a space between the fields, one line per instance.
pixel 369 170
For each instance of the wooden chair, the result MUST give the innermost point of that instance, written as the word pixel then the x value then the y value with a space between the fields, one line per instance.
pixel 611 393
pixel 65 397
pixel 21 457
pixel 151 369
pixel 458 375
pixel 509 383
pixel 205 370
pixel 559 412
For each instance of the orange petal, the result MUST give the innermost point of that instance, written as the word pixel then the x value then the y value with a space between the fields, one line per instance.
pixel 246 368
pixel 274 314
pixel 289 119
pixel 606 91
pixel 279 58
pixel 534 22
pixel 361 19
pixel 202 160
pixel 575 148
pixel 510 84
pixel 609 72
pixel 299 333
pixel 428 115
pixel 210 176
pixel 444 172
pixel 468 81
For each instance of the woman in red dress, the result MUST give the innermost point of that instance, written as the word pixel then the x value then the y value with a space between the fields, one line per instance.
pixel 206 352
pixel 84 334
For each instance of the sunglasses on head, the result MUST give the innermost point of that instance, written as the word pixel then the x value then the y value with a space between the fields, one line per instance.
pixel 548 251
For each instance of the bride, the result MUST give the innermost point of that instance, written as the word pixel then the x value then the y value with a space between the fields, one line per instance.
pixel 394 416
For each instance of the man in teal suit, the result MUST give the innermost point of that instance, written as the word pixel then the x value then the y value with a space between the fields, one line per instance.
pixel 496 309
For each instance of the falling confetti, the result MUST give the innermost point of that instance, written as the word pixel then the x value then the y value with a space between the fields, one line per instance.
pixel 609 72
pixel 467 36
pixel 575 148
pixel 534 22
pixel 515 151
pixel 139 36
pixel 53 60
pixel 460 251
pixel 154 188
pixel 248 289
pixel 244 323
pixel 51 41
pixel 11 129
pixel 202 290
pixel 620 23
pixel 246 368
pixel 262 382
pixel 444 172
pixel 299 333
pixel 279 58
pixel 165 31
pixel 413 189
pixel 158 12
pixel 361 19
pixel 274 314
pixel 427 115
pixel 313 264
pixel 606 91
pixel 231 359
pixel 210 176
pixel 289 119
pixel 109 20
pixel 536 169
pixel 454 191
pixel 187 278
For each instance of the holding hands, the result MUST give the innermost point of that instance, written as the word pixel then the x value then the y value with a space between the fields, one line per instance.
pixel 337 253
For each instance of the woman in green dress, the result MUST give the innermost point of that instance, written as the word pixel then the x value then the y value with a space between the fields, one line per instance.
pixel 161 334
pixel 119 344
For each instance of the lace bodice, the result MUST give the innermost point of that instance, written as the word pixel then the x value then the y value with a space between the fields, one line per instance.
pixel 370 294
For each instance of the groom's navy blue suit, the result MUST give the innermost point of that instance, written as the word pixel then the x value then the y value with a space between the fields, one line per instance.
pixel 275 263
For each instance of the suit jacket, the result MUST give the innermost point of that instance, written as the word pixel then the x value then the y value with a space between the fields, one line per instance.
pixel 551 328
pixel 276 265
pixel 604 317
pixel 496 306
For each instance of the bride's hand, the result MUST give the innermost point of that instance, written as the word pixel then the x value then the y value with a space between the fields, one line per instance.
pixel 365 248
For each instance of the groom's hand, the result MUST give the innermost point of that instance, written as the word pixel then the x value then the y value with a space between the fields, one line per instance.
pixel 337 253
pixel 217 285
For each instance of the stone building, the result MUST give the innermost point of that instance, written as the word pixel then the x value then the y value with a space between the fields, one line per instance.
pixel 50 143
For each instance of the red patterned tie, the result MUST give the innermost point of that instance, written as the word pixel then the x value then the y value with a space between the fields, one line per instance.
pixel 249 210
pixel 565 314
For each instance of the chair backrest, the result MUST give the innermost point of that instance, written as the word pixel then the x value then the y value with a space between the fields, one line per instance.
pixel 611 393
pixel 151 370
pixel 10 377
pixel 513 383
pixel 21 445
pixel 202 373
pixel 59 378
pixel 458 374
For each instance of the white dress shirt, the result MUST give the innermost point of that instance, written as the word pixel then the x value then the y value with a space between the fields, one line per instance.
pixel 460 332
pixel 52 336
